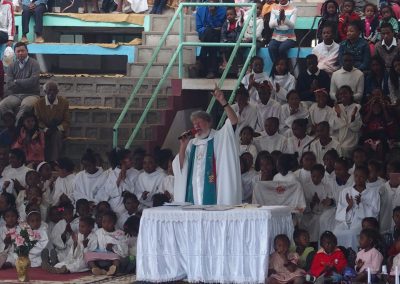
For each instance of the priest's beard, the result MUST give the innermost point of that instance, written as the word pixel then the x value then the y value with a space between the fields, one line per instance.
pixel 203 135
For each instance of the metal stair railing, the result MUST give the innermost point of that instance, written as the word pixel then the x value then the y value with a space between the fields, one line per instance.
pixel 179 51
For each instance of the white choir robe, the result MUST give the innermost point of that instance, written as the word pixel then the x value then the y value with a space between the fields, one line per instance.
pixel 74 261
pixel 251 148
pixel 113 193
pixel 295 145
pixel 62 248
pixel 327 218
pixel 248 117
pixel 303 176
pixel 122 219
pixel 286 83
pixel 117 238
pixel 376 185
pixel 10 250
pixel 226 152
pixel 63 185
pixel 286 119
pixel 88 185
pixel 19 174
pixel 346 132
pixel 9 188
pixel 168 185
pixel 327 56
pixel 247 185
pixel 276 142
pixel 151 183
pixel 311 217
pixel 258 78
pixel 318 114
pixel 390 199
pixel 271 109
pixel 320 150
pixel 36 251
pixel 349 223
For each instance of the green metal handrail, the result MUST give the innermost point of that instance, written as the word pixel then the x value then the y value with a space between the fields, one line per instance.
pixel 179 51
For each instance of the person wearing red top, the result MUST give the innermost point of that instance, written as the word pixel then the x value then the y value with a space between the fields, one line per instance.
pixel 329 260
pixel 346 17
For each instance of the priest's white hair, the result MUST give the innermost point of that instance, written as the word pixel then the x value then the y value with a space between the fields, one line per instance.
pixel 202 115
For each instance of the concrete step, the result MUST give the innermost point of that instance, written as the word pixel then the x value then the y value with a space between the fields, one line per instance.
pixel 158 23
pixel 153 38
pixel 157 70
pixel 207 84
pixel 144 54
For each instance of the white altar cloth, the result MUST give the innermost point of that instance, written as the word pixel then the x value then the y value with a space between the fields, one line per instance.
pixel 230 246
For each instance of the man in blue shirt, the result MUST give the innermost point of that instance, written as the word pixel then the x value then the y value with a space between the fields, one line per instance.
pixel 37 9
pixel 209 21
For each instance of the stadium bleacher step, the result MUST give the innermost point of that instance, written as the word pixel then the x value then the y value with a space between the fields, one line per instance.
pixel 153 38
pixel 144 54
pixel 158 23
pixel 156 70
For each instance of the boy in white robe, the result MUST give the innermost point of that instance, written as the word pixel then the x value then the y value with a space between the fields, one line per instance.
pixel 148 182
pixel 347 121
pixel 320 111
pixel 299 141
pixel 245 111
pixel 267 107
pixel 63 189
pixel 327 51
pixel 324 143
pixel 318 195
pixel 303 175
pixel 84 241
pixel 16 171
pixel 291 111
pixel 88 183
pixel 355 203
pixel 257 75
pixel 271 140
pixel 193 164
pixel 131 206
pixel 9 228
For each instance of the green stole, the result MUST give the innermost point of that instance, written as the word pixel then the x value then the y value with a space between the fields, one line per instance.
pixel 210 177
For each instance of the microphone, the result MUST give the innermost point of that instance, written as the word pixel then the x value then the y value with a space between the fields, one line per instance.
pixel 188 134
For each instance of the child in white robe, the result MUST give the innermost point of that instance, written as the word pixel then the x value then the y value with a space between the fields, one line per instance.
pixel 245 111
pixel 320 111
pixel 267 107
pixel 342 179
pixel 112 247
pixel 324 143
pixel 265 167
pixel 375 182
pixel 65 182
pixel 247 175
pixel 347 121
pixel 17 170
pixel 33 198
pixel 32 179
pixel 330 157
pixel 10 227
pixel 121 179
pixel 297 143
pixel 318 195
pixel 47 180
pixel 257 75
pixel 91 180
pixel 307 161
pixel 246 142
pixel 83 241
pixel 131 229
pixel 282 81
pixel 131 208
pixel 149 182
pixel 359 157
pixel 61 235
pixel 327 51
pixel 294 109
pixel 271 140
pixel 34 220
pixel 355 203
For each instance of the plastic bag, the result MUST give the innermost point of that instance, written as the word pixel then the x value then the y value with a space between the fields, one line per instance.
pixel 8 56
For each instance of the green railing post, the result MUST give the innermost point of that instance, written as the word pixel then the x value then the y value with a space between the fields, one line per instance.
pixel 181 40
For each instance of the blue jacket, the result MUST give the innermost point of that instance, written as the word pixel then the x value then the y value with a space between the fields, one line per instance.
pixel 360 51
pixel 205 20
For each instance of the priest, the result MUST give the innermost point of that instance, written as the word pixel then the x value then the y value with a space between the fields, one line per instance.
pixel 207 168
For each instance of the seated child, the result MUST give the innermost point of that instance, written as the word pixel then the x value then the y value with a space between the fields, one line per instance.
pixel 283 266
pixel 282 81
pixel 294 109
pixel 257 75
pixel 112 247
pixel 148 182
pixel 267 107
pixel 264 166
pixel 64 184
pixel 329 259
pixel 298 141
pixel 307 161
pixel 324 143
pixel 271 140
pixel 6 246
pixel 34 221
pixel 368 256
pixel 246 141
pixel 47 180
pixel 303 249
pixel 320 111
pixel 83 241
pixel 131 229
pixel 131 205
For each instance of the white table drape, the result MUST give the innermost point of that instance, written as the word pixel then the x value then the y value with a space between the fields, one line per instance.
pixel 209 246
